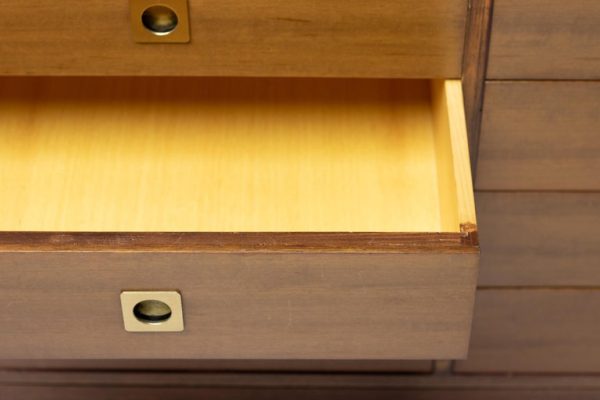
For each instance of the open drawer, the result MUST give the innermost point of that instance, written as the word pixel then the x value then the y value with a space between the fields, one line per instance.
pixel 297 218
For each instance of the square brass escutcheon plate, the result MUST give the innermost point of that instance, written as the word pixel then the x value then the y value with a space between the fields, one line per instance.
pixel 160 21
pixel 152 311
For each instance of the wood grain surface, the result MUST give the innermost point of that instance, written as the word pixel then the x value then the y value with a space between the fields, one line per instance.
pixel 240 306
pixel 539 239
pixel 545 39
pixel 381 38
pixel 535 331
pixel 229 155
pixel 540 136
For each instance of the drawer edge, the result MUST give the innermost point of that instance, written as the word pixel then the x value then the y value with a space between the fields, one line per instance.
pixel 251 242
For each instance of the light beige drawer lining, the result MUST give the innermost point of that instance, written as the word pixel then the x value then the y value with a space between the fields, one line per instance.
pixel 226 155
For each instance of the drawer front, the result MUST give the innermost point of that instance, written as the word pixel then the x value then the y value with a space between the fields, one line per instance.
pixel 530 331
pixel 382 38
pixel 545 39
pixel 540 136
pixel 537 239
pixel 240 306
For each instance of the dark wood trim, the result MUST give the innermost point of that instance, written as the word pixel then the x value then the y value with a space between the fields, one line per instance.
pixel 187 366
pixel 300 380
pixel 261 242
pixel 66 392
pixel 475 61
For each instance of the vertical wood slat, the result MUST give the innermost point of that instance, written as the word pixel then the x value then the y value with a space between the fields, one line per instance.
pixel 474 69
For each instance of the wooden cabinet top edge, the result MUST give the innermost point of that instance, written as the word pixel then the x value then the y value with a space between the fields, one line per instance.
pixel 241 242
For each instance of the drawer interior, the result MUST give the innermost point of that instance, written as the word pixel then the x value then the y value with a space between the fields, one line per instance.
pixel 233 155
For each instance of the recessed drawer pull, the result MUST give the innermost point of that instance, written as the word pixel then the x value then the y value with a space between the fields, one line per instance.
pixel 155 311
pixel 152 311
pixel 167 22
pixel 160 20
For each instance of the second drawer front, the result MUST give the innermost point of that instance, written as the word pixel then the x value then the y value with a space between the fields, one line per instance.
pixel 531 331
pixel 240 306
pixel 545 39
pixel 381 38
pixel 540 136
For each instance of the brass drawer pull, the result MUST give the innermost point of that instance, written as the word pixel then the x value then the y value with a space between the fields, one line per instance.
pixel 160 20
pixel 152 311
pixel 167 22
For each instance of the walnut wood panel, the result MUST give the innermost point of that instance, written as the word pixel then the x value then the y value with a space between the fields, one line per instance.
pixel 540 136
pixel 381 38
pixel 545 39
pixel 539 239
pixel 240 306
pixel 535 331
